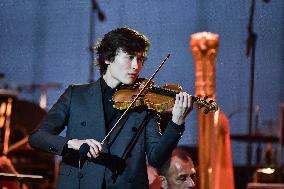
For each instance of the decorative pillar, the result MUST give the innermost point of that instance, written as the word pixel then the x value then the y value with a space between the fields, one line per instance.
pixel 214 145
pixel 204 47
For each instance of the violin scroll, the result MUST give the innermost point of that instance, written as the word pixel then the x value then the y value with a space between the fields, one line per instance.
pixel 210 106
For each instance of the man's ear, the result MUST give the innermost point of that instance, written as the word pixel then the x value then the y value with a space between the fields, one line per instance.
pixel 164 182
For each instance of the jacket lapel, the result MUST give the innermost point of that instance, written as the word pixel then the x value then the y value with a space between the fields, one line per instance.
pixel 117 130
pixel 96 109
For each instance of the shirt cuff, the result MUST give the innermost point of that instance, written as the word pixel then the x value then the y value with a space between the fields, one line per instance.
pixel 65 149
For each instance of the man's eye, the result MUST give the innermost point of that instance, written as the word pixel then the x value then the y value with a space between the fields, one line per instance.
pixel 183 178
pixel 141 59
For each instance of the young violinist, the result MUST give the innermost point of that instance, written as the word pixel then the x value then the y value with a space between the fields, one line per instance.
pixel 88 113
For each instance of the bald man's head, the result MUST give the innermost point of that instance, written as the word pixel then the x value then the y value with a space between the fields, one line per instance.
pixel 178 171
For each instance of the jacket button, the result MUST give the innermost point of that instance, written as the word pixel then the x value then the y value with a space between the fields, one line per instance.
pixel 83 123
pixel 80 175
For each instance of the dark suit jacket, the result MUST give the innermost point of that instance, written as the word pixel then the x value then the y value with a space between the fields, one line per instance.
pixel 80 108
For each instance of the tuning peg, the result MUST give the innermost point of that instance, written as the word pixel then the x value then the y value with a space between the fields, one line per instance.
pixel 206 111
pixel 195 98
pixel 205 98
pixel 211 101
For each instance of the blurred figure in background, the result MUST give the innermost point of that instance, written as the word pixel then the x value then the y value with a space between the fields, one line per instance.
pixel 178 171
pixel 153 177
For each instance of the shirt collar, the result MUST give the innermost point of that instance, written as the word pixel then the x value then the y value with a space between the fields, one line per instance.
pixel 105 87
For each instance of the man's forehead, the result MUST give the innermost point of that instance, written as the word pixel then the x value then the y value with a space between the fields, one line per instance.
pixel 178 165
pixel 179 159
pixel 139 53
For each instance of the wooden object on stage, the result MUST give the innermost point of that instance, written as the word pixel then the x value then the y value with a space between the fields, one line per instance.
pixel 7 180
pixel 265 186
pixel 7 98
pixel 24 119
pixel 214 150
pixel 21 177
pixel 280 136
pixel 204 49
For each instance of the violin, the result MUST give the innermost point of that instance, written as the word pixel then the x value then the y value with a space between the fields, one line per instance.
pixel 154 97
pixel 145 93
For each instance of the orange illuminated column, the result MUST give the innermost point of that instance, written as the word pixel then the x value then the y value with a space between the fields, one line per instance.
pixel 214 150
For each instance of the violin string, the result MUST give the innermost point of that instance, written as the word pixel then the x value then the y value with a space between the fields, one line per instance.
pixel 134 100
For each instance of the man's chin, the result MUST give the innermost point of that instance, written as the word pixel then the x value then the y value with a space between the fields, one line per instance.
pixel 129 81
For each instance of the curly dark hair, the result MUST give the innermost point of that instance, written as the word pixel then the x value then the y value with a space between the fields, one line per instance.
pixel 125 39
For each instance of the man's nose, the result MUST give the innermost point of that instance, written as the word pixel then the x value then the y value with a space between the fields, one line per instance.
pixel 190 182
pixel 134 63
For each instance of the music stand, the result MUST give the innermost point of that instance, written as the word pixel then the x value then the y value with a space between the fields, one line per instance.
pixel 21 178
